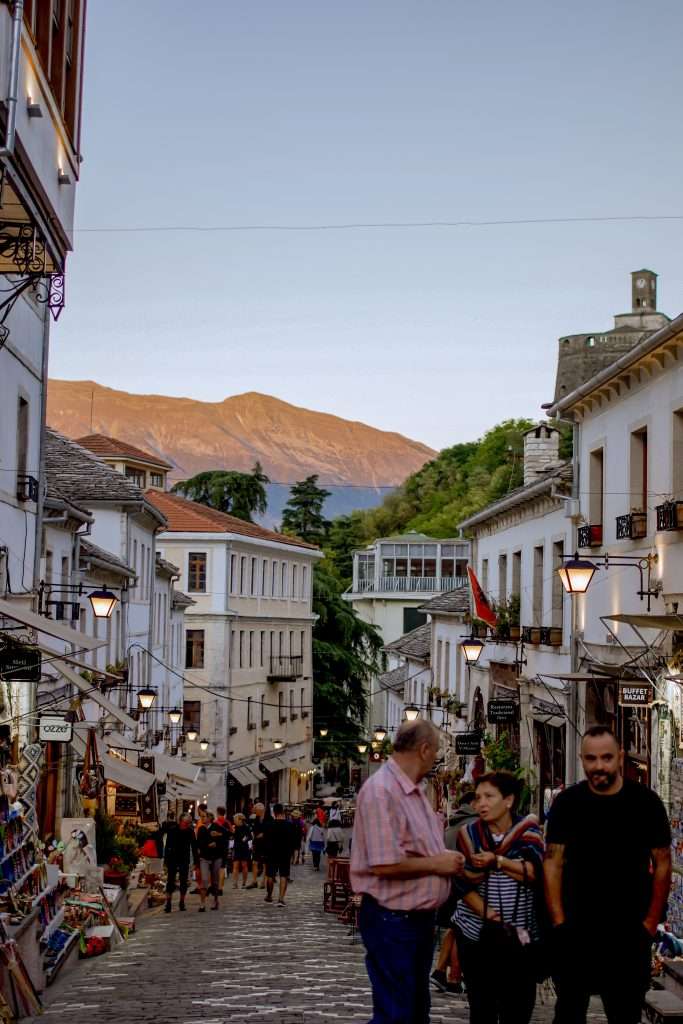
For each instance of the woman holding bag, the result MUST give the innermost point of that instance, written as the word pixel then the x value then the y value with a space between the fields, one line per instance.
pixel 495 922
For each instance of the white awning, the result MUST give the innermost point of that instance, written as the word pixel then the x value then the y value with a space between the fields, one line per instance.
pixel 92 693
pixel 189 791
pixel 646 621
pixel 115 768
pixel 118 742
pixel 243 776
pixel 256 771
pixel 164 765
pixel 50 627
pixel 274 764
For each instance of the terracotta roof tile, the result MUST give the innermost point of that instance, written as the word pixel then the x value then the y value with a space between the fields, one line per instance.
pixel 185 516
pixel 109 447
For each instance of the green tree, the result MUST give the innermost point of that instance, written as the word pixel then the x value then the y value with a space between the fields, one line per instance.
pixel 302 516
pixel 239 494
pixel 346 657
pixel 345 534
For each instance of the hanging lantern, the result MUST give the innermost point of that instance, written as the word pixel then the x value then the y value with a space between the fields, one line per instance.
pixel 380 733
pixel 576 574
pixel 471 649
pixel 412 712
pixel 103 603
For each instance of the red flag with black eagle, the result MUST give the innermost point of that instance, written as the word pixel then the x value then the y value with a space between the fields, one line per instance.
pixel 482 605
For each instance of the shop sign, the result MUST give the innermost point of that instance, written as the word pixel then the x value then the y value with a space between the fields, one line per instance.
pixel 635 695
pixel 502 709
pixel 148 806
pixel 20 663
pixel 468 742
pixel 54 729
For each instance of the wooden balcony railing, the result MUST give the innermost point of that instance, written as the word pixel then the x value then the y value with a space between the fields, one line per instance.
pixel 632 526
pixel 285 668
pixel 670 516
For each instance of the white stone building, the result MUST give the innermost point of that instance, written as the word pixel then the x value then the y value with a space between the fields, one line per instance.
pixel 248 649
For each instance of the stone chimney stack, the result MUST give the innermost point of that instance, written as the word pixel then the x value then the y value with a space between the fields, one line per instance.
pixel 541 450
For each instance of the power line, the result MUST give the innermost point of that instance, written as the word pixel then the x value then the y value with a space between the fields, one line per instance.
pixel 376 225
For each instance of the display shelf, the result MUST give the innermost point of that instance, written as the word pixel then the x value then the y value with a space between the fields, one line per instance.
pixel 16 849
pixel 41 895
pixel 20 882
pixel 53 970
pixel 52 925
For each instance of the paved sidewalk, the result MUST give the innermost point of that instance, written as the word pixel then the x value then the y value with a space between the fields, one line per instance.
pixel 251 962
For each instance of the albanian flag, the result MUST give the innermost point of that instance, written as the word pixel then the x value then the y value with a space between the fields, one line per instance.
pixel 482 605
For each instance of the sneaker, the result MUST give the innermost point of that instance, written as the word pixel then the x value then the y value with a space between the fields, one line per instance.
pixel 252 885
pixel 268 899
pixel 439 980
pixel 167 908
pixel 280 903
pixel 454 988
pixel 182 906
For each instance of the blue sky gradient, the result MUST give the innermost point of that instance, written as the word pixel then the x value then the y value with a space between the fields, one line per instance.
pixel 309 112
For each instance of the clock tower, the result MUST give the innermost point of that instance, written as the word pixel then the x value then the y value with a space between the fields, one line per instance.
pixel 644 290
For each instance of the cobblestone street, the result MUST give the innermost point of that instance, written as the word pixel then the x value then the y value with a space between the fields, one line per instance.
pixel 251 962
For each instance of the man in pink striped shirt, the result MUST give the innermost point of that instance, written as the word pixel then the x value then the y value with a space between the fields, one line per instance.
pixel 399 862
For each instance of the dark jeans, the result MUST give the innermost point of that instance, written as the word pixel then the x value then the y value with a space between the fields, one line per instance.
pixel 315 857
pixel 497 992
pixel 584 966
pixel 399 948
pixel 181 869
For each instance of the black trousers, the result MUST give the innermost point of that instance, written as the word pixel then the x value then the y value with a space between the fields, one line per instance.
pixel 617 970
pixel 497 993
pixel 181 868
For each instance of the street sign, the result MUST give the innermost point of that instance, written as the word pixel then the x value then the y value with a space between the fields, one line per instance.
pixel 468 742
pixel 635 695
pixel 54 729
pixel 502 709
pixel 20 663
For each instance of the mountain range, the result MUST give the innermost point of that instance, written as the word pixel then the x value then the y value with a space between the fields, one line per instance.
pixel 360 462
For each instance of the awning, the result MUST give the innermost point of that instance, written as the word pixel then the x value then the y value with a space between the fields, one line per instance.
pixel 648 621
pixel 92 693
pixel 579 677
pixel 49 626
pixel 256 771
pixel 165 765
pixel 191 791
pixel 274 764
pixel 115 768
pixel 118 742
pixel 546 713
pixel 243 776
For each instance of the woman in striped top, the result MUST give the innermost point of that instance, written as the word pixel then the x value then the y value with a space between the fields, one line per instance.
pixel 504 854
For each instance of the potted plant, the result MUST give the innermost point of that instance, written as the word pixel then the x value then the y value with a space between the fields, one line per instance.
pixel 435 695
pixel 555 636
pixel 513 616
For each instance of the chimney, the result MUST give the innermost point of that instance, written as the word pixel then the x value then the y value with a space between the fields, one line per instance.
pixel 541 450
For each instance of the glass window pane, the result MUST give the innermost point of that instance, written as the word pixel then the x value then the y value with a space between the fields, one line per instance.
pixel 416 567
pixel 430 550
pixel 429 567
pixel 401 567
pixel 387 550
pixel 401 549
pixel 387 567
pixel 447 550
pixel 447 566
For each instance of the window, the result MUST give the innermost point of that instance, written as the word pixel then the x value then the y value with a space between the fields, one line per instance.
pixel 538 586
pixel 252 578
pixel 281 707
pixel 192 716
pixel 516 588
pixel 262 649
pixel 196 572
pixel 264 577
pixel 485 575
pixel 283 585
pixel 502 578
pixel 438 666
pixel 48 567
pixel 233 574
pixel 558 589
pixel 596 487
pixel 194 648
pixel 291 643
pixel 292 713
pixel 65 570
pixel 447 666
pixel 251 648
pixel 264 721
pixel 302 703
pixel 243 570
pixel 250 723
pixel 136 588
pixel 295 581
pixel 302 645
pixel 638 470
pixel 281 643
pixel 22 439
pixel 136 475
pixel 273 581
pixel 412 618
pixel 156 480
pixel 241 658
pixel 677 452
pixel 304 582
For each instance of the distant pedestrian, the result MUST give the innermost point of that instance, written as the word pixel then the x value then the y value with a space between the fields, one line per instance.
pixel 496 924
pixel 447 975
pixel 241 851
pixel 400 865
pixel 316 843
pixel 181 848
pixel 300 852
pixel 321 814
pixel 335 838
pixel 607 880
pixel 212 840
pixel 257 823
pixel 202 810
pixel 281 838
pixel 222 820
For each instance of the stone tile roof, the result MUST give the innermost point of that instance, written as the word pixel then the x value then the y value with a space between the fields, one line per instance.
pixel 560 472
pixel 395 679
pixel 416 644
pixel 185 516
pixel 111 447
pixel 90 550
pixel 452 601
pixel 166 566
pixel 180 600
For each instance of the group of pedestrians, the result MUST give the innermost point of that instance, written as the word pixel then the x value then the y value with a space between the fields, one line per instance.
pixel 578 900
pixel 257 850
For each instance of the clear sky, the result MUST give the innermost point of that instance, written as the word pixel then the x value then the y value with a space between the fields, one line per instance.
pixel 311 112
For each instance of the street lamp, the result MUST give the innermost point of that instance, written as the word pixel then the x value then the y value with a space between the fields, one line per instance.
pixel 375 745
pixel 412 712
pixel 175 716
pixel 146 697
pixel 103 603
pixel 324 732
pixel 278 744
pixel 203 744
pixel 362 748
pixel 576 574
pixel 471 649
pixel 380 734
pixel 192 735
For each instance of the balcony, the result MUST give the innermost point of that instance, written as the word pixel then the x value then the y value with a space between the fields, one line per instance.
pixel 531 635
pixel 551 636
pixel 670 516
pixel 409 585
pixel 590 536
pixel 632 526
pixel 285 668
pixel 27 488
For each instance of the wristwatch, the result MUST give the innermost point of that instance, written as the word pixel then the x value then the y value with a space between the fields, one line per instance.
pixel 499 861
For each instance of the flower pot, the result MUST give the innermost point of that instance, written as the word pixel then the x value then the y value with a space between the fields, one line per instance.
pixel 535 635
pixel 515 632
pixel 555 637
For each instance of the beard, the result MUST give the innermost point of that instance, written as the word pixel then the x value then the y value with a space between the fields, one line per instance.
pixel 602 780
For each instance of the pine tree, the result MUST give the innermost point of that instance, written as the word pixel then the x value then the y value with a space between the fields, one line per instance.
pixel 239 494
pixel 303 514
